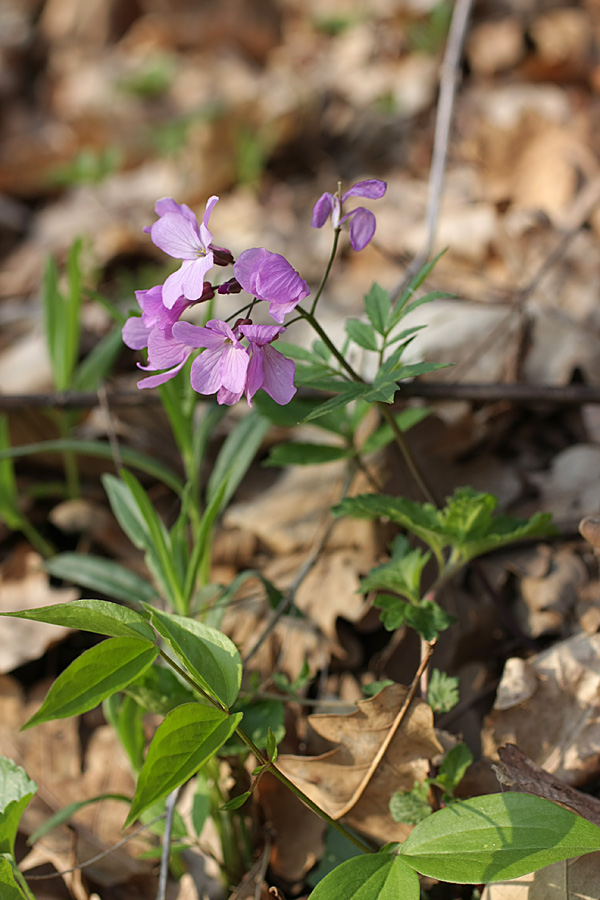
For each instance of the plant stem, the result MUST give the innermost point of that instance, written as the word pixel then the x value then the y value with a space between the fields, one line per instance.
pixel 336 237
pixel 409 459
pixel 329 344
pixel 263 761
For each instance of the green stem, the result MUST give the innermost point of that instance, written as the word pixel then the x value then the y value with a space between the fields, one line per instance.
pixel 402 444
pixel 37 541
pixel 336 237
pixel 329 343
pixel 263 761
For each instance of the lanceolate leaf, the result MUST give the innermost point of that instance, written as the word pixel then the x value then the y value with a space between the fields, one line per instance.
pixel 188 737
pixel 497 837
pixel 305 454
pixel 103 575
pixel 16 790
pixel 209 656
pixel 97 616
pixel 95 675
pixel 377 876
pixel 9 889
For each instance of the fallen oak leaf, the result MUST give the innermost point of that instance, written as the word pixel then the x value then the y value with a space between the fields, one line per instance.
pixel 383 747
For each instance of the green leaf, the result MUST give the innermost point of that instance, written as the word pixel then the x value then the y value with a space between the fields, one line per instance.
pixel 361 333
pixel 261 717
pixel 338 849
pixel 374 876
pixel 384 435
pixel 235 457
pixel 93 676
pixel 236 802
pixel 401 574
pixel 304 454
pixel 16 790
pixel 126 716
pixel 377 307
pixel 422 519
pixel 188 737
pixel 97 616
pixel 271 746
pixel 497 837
pixel 427 618
pixel 411 807
pixel 158 690
pixel 399 310
pixel 452 771
pixel 67 812
pixel 349 391
pixel 442 692
pixel 10 890
pixel 103 575
pixel 9 500
pixel 295 411
pixel 96 365
pixel 209 656
pixel 101 450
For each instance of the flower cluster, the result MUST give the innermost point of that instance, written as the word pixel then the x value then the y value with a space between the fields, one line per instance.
pixel 239 359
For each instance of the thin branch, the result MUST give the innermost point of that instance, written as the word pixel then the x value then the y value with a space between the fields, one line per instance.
pixel 449 77
pixel 166 844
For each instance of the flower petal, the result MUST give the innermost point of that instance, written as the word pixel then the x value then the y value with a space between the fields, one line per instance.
pixel 261 334
pixel 155 380
pixel 205 373
pixel 256 373
pixel 192 282
pixel 322 210
pixel 278 375
pixel 198 336
pixel 234 365
pixel 362 227
pixel 135 333
pixel 372 188
pixel 177 236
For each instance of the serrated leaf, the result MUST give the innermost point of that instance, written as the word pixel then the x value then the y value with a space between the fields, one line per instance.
pixel 97 616
pixel 497 837
pixel 377 307
pixel 375 876
pixel 297 453
pixel 411 807
pixel 427 618
pixel 96 674
pixel 187 738
pixel 401 574
pixel 361 333
pixel 421 519
pixel 208 655
pixel 16 790
pixel 103 575
pixel 442 692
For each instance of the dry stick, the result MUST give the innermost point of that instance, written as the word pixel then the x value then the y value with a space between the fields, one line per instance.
pixel 166 844
pixel 428 650
pixel 99 856
pixel 287 601
pixel 449 75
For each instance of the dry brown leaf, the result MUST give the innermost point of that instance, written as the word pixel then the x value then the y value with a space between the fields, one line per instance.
pixel 374 759
pixel 573 879
pixel 558 726
pixel 521 774
pixel 547 599
pixel 25 585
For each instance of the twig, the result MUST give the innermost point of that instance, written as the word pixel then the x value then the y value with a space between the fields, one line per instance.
pixel 287 601
pixel 166 844
pixel 449 75
pixel 99 856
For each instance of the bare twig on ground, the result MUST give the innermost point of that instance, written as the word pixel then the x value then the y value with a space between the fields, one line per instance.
pixel 166 844
pixel 449 76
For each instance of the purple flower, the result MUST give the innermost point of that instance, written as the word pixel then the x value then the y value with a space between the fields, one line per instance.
pixel 269 369
pixel 164 352
pixel 177 233
pixel 269 276
pixel 223 366
pixel 362 221
pixel 136 330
